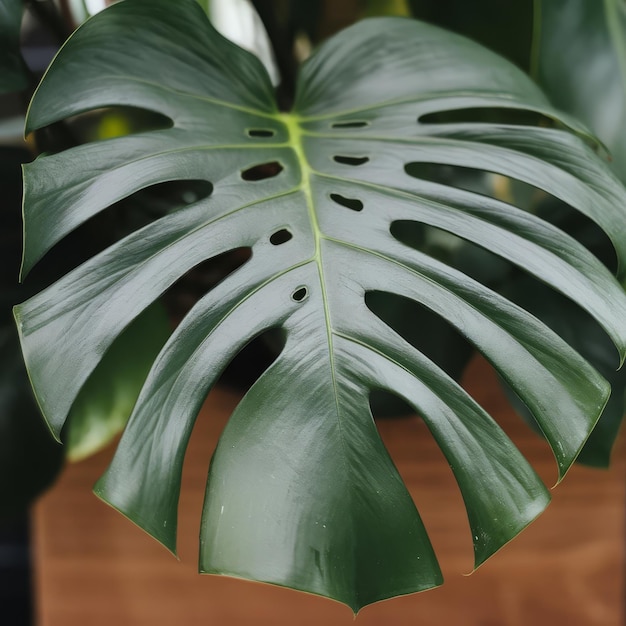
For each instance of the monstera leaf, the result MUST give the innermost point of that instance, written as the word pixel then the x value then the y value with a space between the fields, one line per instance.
pixel 301 490
pixel 13 75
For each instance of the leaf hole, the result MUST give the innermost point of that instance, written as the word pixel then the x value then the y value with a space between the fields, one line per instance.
pixel 519 194
pixel 350 160
pixel 300 294
pixel 262 171
pixel 252 360
pixel 280 237
pixel 351 124
pixel 581 228
pixel 469 179
pixel 424 329
pixel 99 125
pixel 260 132
pixel 489 115
pixel 350 203
pixel 191 286
pixel 156 201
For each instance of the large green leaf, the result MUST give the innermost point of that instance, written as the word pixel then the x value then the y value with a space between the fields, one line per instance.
pixel 580 60
pixel 301 490
pixel 13 74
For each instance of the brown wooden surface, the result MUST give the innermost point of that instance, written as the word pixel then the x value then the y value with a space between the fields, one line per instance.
pixel 94 568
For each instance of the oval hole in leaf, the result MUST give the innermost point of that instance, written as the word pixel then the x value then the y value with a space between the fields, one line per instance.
pixel 350 124
pixel 489 115
pixel 260 132
pixel 350 160
pixel 350 203
pixel 280 237
pixel 262 171
pixel 300 294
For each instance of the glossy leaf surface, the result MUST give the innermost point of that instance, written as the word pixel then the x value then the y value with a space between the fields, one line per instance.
pixel 301 490
pixel 13 75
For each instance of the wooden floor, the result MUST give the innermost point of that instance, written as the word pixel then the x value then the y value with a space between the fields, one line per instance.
pixel 94 568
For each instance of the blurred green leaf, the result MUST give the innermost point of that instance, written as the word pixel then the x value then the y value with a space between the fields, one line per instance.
pixel 13 72
pixel 504 27
pixel 374 8
pixel 106 401
pixel 592 343
pixel 30 458
pixel 577 328
pixel 580 61
pixel 11 130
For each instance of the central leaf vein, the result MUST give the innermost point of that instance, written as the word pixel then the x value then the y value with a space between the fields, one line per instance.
pixel 295 135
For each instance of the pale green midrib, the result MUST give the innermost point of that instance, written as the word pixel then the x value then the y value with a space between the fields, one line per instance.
pixel 295 134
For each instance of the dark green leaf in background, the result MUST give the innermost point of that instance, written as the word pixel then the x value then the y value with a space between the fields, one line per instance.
pixel 580 60
pixel 29 457
pixel 301 490
pixel 504 27
pixel 587 337
pixel 13 74
pixel 577 328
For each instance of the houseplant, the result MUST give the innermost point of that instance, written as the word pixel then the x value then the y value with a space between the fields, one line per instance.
pixel 368 523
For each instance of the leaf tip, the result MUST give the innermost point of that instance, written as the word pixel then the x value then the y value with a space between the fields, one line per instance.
pixel 164 535
pixel 486 545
